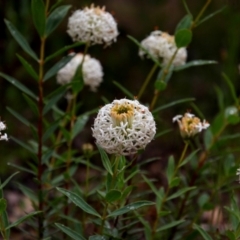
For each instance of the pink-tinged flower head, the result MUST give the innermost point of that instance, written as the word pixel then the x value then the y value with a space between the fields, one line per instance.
pixel 190 125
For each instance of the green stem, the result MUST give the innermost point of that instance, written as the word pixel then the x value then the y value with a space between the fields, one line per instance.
pixel 103 219
pixel 164 75
pixel 147 80
pixel 87 178
pixel 194 23
pixel 168 190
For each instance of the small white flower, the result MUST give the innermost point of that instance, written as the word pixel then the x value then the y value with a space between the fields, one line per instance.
pixel 190 125
pixel 162 46
pixel 91 69
pixel 3 127
pixel 124 127
pixel 92 25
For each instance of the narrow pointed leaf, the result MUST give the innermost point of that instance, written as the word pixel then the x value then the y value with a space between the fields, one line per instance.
pixel 72 234
pixel 33 105
pixel 19 85
pixel 145 50
pixel 170 225
pixel 64 49
pixel 204 234
pixel 124 90
pixel 18 116
pixel 28 67
pixel 79 125
pixel 194 63
pixel 180 192
pixel 27 147
pixel 173 104
pixel 98 237
pixel 188 158
pixel 79 201
pixel 38 15
pixel 130 207
pixel 20 39
pixel 53 71
pixel 3 205
pixel 22 219
pixel 7 180
pixel 23 169
pixel 105 160
pixel 56 17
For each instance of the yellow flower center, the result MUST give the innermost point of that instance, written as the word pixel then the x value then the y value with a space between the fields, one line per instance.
pixel 122 113
pixel 189 124
pixel 168 37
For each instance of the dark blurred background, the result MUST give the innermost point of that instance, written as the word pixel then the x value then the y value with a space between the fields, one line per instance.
pixel 216 39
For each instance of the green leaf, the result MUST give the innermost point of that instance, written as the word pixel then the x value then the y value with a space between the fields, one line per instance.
pixel 22 219
pixel 183 37
pixel 210 16
pixel 33 105
pixel 231 88
pixel 170 225
pixel 145 50
pixel 21 168
pixel 52 71
pixel 20 39
pixel 21 143
pixel 7 180
pixel 19 85
pixel 79 125
pixel 55 18
pixel 50 130
pixel 180 192
pixel 160 85
pixel 28 67
pixel 64 49
pixel 124 90
pixel 186 7
pixel 204 234
pixel 174 182
pixel 113 195
pixel 194 63
pixel 3 205
pixel 80 202
pixel 58 94
pixel 188 158
pixel 173 104
pixel 185 23
pixel 170 169
pixel 130 207
pixel 98 237
pixel 77 82
pixel 74 235
pixel 105 160
pixel 38 15
pixel 18 116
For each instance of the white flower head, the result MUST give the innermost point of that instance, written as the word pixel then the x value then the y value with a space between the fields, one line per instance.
pixel 3 127
pixel 190 125
pixel 91 70
pixel 124 127
pixel 162 46
pixel 93 25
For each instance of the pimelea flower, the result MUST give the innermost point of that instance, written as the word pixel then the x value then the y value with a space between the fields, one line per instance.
pixel 162 46
pixel 190 125
pixel 93 25
pixel 124 127
pixel 91 70
pixel 3 127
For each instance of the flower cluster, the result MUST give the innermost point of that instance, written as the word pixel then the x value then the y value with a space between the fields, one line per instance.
pixel 93 25
pixel 124 127
pixel 91 70
pixel 190 125
pixel 162 46
pixel 3 127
